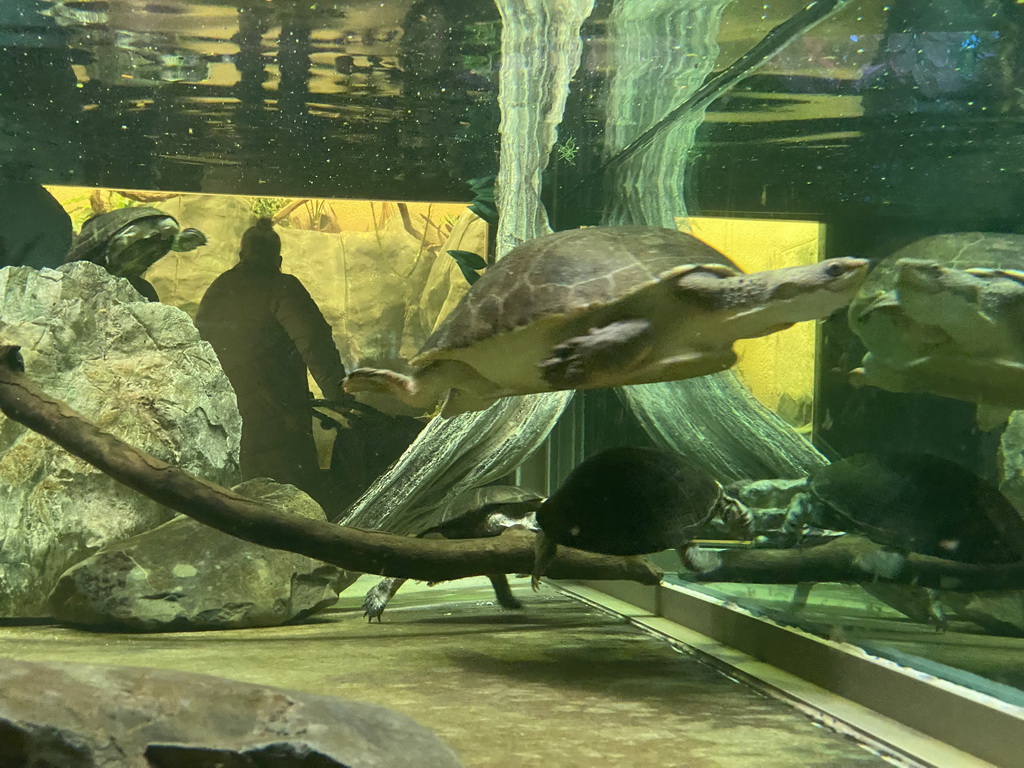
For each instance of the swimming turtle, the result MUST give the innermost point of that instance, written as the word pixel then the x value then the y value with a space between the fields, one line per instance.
pixel 478 513
pixel 605 307
pixel 945 315
pixel 634 501
pixel 914 502
pixel 128 241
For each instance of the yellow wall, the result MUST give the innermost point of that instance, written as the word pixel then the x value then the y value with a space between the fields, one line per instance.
pixel 781 364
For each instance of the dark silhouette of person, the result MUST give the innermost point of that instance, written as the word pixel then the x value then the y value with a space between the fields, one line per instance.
pixel 267 331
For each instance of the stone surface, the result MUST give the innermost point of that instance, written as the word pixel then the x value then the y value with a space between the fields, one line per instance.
pixel 85 716
pixel 138 370
pixel 187 576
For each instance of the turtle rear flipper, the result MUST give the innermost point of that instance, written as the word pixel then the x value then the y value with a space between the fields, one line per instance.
pixel 377 597
pixel 698 560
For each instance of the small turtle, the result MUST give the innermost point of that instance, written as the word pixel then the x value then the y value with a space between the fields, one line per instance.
pixel 914 502
pixel 128 241
pixel 605 307
pixel 635 501
pixel 945 315
pixel 488 511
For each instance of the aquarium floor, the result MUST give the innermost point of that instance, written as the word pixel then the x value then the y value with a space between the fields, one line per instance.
pixel 560 684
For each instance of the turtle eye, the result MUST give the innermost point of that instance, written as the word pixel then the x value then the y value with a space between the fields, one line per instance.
pixel 835 269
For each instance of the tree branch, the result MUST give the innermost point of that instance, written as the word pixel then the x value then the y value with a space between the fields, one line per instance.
pixel 852 559
pixel 350 548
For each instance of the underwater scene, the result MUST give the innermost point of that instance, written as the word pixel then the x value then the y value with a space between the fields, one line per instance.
pixel 304 303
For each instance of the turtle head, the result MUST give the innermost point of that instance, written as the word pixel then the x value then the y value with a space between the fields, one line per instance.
pixel 764 302
pixel 188 239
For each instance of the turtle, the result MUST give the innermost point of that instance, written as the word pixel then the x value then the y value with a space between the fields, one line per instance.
pixel 605 307
pixel 945 315
pixel 634 500
pixel 128 241
pixel 913 502
pixel 479 513
pixel 910 502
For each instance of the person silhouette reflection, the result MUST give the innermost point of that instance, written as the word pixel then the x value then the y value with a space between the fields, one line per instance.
pixel 267 331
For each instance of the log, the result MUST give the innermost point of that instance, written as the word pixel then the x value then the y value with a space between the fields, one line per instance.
pixel 353 549
pixel 853 559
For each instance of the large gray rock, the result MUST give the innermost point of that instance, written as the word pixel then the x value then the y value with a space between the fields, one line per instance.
pixel 85 716
pixel 138 370
pixel 187 576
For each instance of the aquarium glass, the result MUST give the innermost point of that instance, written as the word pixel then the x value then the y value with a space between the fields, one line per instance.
pixel 780 133
pixel 880 126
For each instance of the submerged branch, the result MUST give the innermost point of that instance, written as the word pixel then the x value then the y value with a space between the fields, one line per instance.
pixel 353 549
pixel 854 559
pixel 778 38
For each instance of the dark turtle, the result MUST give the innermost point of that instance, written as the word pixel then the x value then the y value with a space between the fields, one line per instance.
pixel 479 513
pixel 128 241
pixel 634 501
pixel 914 502
pixel 605 307
pixel 945 315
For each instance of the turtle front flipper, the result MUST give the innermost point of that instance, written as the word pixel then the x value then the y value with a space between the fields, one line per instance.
pixel 544 548
pixel 580 360
pixel 503 592
pixel 737 517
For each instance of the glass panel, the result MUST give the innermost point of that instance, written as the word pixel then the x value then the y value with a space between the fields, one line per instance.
pixel 887 130
pixel 883 125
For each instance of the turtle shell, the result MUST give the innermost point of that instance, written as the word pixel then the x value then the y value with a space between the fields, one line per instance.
pixel 487 511
pixel 562 276
pixel 630 501
pixel 97 233
pixel 920 503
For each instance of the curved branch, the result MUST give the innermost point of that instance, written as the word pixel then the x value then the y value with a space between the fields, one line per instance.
pixel 853 559
pixel 350 548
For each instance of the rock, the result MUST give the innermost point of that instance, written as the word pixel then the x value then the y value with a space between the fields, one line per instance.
pixel 92 716
pixel 139 371
pixel 187 576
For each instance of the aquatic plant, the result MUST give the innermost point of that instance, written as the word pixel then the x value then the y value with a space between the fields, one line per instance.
pixel 568 150
pixel 266 207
